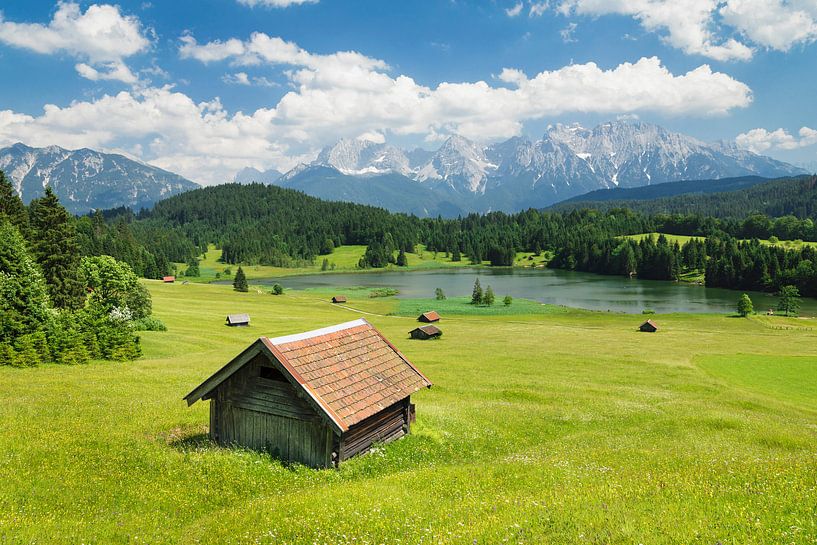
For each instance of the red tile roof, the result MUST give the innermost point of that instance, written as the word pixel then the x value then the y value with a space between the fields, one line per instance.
pixel 350 369
pixel 430 316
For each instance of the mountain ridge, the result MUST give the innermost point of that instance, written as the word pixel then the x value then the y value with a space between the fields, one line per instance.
pixel 86 179
pixel 520 173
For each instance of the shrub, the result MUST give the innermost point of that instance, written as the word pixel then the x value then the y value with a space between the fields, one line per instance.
pixel 745 306
pixel 277 289
pixel 439 294
pixel 507 300
pixel 384 292
pixel 149 323
pixel 648 311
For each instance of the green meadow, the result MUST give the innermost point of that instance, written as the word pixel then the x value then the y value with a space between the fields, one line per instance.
pixel 544 425
pixel 343 259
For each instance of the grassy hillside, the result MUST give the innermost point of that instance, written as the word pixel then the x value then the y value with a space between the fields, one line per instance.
pixel 563 427
pixel 683 239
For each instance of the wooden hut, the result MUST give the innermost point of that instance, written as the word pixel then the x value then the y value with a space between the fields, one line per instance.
pixel 649 327
pixel 425 332
pixel 317 398
pixel 238 320
pixel 429 317
pixel 339 299
pixel 168 279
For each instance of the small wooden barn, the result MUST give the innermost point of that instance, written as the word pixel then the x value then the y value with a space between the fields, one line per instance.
pixel 429 317
pixel 425 332
pixel 317 398
pixel 649 327
pixel 168 279
pixel 339 299
pixel 238 320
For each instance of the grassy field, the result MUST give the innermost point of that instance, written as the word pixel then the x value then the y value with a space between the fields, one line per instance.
pixel 343 259
pixel 560 427
pixel 682 239
pixel 672 239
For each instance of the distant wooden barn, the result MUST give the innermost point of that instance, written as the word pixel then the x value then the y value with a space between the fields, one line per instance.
pixel 317 398
pixel 649 327
pixel 425 332
pixel 339 299
pixel 168 279
pixel 429 317
pixel 238 320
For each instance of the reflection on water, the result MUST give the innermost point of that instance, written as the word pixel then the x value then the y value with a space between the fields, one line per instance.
pixel 573 289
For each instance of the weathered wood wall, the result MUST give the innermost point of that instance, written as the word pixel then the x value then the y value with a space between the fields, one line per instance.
pixel 389 424
pixel 269 415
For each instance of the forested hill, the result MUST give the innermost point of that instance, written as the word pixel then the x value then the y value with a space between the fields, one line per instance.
pixel 781 197
pixel 256 223
pixel 666 189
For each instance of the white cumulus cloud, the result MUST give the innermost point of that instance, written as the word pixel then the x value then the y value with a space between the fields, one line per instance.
pixel 724 30
pixel 760 140
pixel 101 37
pixel 348 94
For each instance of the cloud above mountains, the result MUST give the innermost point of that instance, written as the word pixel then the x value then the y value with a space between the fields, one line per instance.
pixel 721 30
pixel 346 94
pixel 101 38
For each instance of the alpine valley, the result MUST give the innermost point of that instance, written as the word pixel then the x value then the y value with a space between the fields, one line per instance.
pixel 85 179
pixel 570 160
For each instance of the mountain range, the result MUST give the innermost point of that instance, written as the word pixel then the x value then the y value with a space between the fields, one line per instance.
pixel 460 177
pixel 569 160
pixel 85 179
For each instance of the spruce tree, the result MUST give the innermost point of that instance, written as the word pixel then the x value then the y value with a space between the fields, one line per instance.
pixel 476 295
pixel 240 281
pixel 11 206
pixel 488 298
pixel 23 293
pixel 56 248
pixel 401 259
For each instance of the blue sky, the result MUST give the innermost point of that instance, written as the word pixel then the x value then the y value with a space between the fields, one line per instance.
pixel 207 87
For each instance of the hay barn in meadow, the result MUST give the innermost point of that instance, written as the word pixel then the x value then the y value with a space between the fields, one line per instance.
pixel 317 398
pixel 425 332
pixel 339 299
pixel 429 317
pixel 238 320
pixel 168 279
pixel 649 327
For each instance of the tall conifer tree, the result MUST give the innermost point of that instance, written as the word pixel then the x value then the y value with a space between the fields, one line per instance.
pixel 55 247
pixel 11 206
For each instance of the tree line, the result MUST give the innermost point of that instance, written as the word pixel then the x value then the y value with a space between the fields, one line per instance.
pixel 56 304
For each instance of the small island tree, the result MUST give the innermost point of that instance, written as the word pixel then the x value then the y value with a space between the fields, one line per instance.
pixel 745 306
pixel 789 300
pixel 240 281
pixel 488 298
pixel 476 295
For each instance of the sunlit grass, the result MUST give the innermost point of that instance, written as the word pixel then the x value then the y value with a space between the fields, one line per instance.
pixel 568 427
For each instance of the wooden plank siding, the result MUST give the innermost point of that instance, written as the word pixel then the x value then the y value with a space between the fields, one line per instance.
pixel 269 415
pixel 389 424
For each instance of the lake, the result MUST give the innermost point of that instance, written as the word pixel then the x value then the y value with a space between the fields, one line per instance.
pixel 557 287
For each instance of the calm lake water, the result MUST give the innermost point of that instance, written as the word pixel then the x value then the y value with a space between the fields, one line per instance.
pixel 572 289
